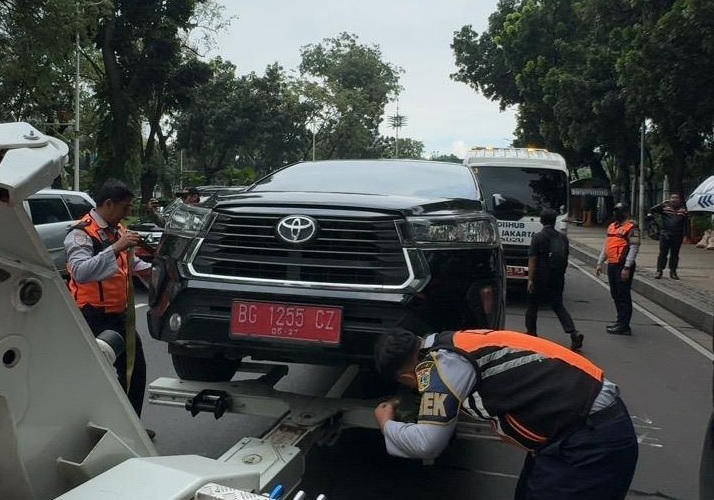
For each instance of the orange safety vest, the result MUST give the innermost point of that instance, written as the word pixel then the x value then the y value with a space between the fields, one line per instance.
pixel 618 241
pixel 112 294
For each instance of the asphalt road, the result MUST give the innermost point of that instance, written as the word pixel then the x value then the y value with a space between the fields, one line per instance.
pixel 664 371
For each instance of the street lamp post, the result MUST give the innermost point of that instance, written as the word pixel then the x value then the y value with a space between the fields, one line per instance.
pixel 312 126
pixel 76 113
pixel 641 204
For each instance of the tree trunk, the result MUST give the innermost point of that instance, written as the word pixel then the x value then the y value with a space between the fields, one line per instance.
pixel 121 128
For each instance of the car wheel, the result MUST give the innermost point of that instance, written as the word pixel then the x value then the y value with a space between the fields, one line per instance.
pixel 215 369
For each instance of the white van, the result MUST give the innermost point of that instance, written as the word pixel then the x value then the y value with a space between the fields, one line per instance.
pixel 52 212
pixel 518 183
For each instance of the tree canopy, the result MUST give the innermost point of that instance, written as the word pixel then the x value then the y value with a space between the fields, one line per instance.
pixel 586 74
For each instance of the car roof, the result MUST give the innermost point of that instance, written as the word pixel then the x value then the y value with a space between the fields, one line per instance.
pixel 46 191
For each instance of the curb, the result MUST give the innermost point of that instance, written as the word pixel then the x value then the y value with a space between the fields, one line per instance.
pixel 686 306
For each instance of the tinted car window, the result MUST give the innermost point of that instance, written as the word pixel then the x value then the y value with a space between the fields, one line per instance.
pixel 77 205
pixel 530 190
pixel 421 179
pixel 48 210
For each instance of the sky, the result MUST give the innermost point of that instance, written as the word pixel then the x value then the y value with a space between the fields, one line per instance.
pixel 447 116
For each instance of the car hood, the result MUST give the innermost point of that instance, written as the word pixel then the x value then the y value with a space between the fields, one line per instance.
pixel 404 205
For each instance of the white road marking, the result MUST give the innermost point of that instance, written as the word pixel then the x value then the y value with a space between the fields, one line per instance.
pixel 137 306
pixel 694 345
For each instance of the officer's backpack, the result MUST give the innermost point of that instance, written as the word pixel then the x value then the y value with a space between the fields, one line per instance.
pixel 557 254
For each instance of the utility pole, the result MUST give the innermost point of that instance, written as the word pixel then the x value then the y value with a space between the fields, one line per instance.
pixel 396 138
pixel 641 213
pixel 396 122
pixel 76 111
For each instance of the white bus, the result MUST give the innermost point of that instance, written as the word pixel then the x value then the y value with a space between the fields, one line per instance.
pixel 517 184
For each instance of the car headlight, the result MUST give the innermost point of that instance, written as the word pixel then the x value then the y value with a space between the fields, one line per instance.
pixel 450 230
pixel 188 220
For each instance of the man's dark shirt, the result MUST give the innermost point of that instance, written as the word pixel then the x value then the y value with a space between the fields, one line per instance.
pixel 540 248
pixel 674 218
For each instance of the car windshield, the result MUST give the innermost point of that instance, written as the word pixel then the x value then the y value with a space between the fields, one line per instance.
pixel 512 193
pixel 401 178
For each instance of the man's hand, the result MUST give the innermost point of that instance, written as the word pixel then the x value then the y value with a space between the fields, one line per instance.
pixel 625 274
pixel 126 240
pixel 531 286
pixel 385 412
pixel 598 269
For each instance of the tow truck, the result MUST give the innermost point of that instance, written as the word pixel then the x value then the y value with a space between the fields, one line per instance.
pixel 67 430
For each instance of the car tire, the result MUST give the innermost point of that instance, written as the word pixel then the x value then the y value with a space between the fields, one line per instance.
pixel 215 369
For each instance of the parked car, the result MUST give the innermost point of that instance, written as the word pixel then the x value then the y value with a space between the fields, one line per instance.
pixel 52 211
pixel 312 262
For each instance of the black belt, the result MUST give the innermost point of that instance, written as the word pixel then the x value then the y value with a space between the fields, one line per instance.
pixel 607 413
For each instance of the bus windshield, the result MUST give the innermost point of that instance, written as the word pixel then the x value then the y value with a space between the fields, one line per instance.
pixel 512 193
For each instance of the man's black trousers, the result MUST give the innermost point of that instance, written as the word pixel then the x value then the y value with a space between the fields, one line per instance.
pixel 671 244
pixel 596 462
pixel 99 321
pixel 620 291
pixel 548 291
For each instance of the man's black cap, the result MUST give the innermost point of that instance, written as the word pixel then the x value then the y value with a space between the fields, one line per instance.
pixel 187 192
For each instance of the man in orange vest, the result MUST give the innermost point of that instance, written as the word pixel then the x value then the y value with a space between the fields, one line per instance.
pixel 620 250
pixel 536 394
pixel 100 268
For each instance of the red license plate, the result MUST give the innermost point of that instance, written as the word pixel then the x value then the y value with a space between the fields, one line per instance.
pixel 516 272
pixel 286 321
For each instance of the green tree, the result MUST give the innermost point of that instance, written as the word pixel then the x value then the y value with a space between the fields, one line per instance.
pixel 349 86
pixel 146 71
pixel 408 148
pixel 451 158
pixel 668 76
pixel 248 121
pixel 556 60
pixel 37 41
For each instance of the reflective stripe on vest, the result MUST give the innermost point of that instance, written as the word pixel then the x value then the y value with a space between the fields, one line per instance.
pixel 618 242
pixel 112 293
pixel 531 390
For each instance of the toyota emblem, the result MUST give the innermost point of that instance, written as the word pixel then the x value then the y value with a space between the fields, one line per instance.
pixel 296 228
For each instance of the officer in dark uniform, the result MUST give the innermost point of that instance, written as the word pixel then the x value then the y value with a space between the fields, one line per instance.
pixel 620 250
pixel 100 266
pixel 536 394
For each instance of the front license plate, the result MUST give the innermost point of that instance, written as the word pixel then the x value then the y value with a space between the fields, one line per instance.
pixel 287 321
pixel 516 272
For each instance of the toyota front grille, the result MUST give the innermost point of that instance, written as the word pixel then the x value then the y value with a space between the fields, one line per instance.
pixel 355 250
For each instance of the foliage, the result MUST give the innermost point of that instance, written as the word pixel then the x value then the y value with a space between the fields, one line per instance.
pixel 408 148
pixel 148 74
pixel 451 158
pixel 348 85
pixel 668 76
pixel 232 176
pixel 585 74
pixel 700 222
pixel 37 40
pixel 250 121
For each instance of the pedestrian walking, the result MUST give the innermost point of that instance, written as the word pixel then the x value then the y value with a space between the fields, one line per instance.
pixel 674 227
pixel 620 250
pixel 537 394
pixel 100 268
pixel 547 262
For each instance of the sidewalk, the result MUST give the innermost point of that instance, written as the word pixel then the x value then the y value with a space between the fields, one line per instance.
pixel 691 298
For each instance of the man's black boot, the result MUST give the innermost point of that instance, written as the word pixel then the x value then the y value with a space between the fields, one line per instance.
pixel 576 341
pixel 620 330
pixel 658 274
pixel 673 275
pixel 612 325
